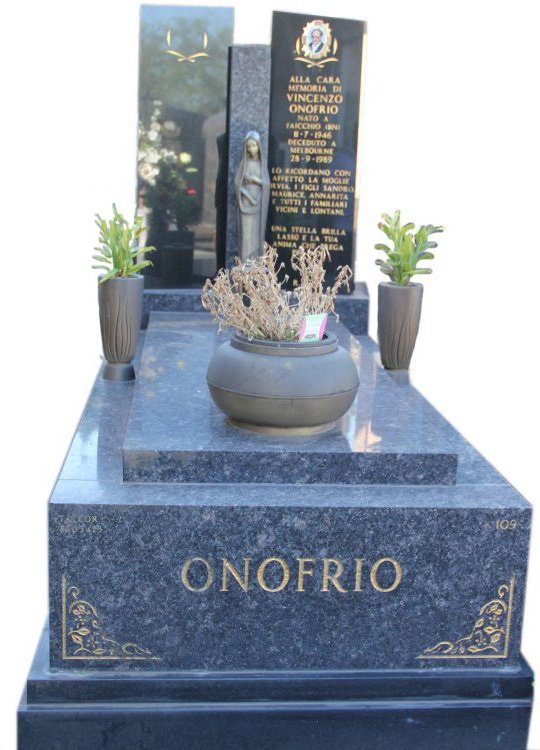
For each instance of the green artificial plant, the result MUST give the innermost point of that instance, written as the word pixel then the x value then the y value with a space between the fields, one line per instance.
pixel 409 248
pixel 116 253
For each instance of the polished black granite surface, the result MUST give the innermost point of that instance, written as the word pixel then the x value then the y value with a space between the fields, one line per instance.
pixel 183 57
pixel 349 710
pixel 176 434
pixel 314 122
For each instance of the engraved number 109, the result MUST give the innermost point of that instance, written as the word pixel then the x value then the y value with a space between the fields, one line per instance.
pixel 505 524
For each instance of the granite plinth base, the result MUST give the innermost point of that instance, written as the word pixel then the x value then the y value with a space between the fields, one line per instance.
pixel 349 710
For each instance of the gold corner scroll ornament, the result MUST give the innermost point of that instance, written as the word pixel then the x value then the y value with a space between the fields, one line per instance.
pixel 490 636
pixel 315 44
pixel 187 58
pixel 83 636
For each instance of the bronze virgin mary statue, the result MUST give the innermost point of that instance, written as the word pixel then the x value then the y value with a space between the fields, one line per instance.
pixel 252 190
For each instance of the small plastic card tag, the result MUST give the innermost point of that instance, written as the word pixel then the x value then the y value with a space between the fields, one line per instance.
pixel 313 327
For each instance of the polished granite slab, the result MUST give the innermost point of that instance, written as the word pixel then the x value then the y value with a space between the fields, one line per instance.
pixel 290 710
pixel 250 583
pixel 176 434
pixel 122 546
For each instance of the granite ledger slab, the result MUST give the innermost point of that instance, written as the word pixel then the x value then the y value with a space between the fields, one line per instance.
pixel 385 438
pixel 242 576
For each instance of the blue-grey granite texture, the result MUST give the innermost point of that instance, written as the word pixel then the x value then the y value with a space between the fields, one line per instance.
pixel 353 309
pixel 383 710
pixel 120 546
pixel 389 436
pixel 170 300
pixel 248 109
pixel 126 562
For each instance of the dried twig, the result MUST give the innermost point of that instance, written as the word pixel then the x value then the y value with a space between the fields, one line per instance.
pixel 250 297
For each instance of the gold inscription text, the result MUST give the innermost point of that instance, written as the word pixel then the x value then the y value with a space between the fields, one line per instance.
pixel 261 571
pixel 304 574
pixel 185 574
pixel 375 569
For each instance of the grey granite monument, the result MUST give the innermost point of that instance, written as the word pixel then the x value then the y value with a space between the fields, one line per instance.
pixel 215 589
pixel 273 585
pixel 218 542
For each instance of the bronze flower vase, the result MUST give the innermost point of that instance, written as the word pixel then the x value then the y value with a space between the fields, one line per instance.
pixel 120 314
pixel 399 313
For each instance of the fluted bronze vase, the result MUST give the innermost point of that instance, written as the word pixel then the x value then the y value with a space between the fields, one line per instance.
pixel 398 322
pixel 120 315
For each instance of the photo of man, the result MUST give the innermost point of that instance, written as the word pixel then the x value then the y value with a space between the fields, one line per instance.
pixel 316 39
pixel 316 43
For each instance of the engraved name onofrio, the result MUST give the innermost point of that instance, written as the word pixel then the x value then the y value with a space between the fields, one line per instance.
pixel 274 574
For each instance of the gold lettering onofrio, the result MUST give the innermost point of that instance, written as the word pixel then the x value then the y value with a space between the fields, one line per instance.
pixel 358 574
pixel 332 578
pixel 303 571
pixel 274 574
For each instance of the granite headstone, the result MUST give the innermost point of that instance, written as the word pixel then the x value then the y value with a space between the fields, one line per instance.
pixel 314 114
pixel 182 111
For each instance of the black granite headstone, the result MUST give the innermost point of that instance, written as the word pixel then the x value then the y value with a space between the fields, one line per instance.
pixel 314 112
pixel 182 111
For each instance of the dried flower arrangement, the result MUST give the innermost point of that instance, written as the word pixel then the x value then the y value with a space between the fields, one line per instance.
pixel 250 297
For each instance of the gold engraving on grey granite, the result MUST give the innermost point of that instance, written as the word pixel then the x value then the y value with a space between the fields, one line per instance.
pixel 83 636
pixel 490 636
